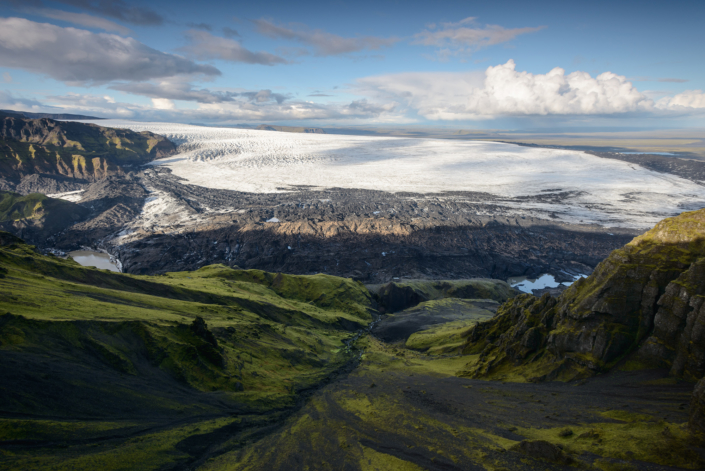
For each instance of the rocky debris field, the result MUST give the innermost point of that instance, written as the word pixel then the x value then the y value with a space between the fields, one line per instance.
pixel 154 223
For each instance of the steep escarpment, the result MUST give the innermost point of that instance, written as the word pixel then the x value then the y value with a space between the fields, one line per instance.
pixel 645 299
pixel 80 151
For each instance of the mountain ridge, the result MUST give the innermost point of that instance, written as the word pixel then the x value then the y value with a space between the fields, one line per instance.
pixel 85 152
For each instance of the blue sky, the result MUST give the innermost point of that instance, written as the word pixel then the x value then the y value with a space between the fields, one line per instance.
pixel 458 64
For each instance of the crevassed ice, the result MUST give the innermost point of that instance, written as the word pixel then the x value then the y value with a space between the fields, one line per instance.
pixel 603 191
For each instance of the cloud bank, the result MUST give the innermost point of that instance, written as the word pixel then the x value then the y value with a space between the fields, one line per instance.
pixel 507 92
pixel 76 56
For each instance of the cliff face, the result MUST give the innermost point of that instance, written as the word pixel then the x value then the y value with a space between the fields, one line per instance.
pixel 645 299
pixel 76 150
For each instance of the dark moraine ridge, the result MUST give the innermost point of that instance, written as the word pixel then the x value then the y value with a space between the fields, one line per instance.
pixel 372 236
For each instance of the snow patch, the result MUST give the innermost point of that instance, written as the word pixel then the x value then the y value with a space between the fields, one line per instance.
pixel 73 196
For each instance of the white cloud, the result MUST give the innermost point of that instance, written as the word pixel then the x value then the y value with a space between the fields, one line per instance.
pixel 466 36
pixel 205 46
pixel 253 106
pixel 687 99
pixel 77 56
pixel 506 92
pixel 82 19
pixel 163 104
pixel 6 77
pixel 323 43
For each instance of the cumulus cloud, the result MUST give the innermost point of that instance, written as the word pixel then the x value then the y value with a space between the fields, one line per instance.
pixel 205 46
pixel 466 36
pixel 78 56
pixel 163 104
pixel 82 19
pixel 693 99
pixel 507 92
pixel 323 43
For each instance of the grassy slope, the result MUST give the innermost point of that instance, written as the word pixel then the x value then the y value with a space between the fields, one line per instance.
pixel 117 349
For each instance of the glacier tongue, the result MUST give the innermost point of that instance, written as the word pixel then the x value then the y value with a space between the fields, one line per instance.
pixel 575 186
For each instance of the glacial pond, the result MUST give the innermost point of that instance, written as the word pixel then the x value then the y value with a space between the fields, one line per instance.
pixel 526 285
pixel 88 258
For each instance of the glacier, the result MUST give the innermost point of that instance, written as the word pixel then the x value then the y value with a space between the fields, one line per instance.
pixel 572 186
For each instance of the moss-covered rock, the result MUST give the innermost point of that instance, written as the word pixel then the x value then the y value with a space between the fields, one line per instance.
pixel 678 338
pixel 600 319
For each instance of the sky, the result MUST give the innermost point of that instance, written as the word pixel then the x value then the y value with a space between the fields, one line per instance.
pixel 454 64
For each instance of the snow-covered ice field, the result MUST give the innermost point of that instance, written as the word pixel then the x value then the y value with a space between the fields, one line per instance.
pixel 603 191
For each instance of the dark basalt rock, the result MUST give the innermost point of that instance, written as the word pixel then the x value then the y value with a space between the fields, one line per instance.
pixel 678 339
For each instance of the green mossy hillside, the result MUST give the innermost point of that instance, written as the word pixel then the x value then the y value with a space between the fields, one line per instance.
pixel 233 340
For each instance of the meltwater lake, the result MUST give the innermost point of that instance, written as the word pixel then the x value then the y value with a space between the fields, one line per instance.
pixel 526 285
pixel 88 258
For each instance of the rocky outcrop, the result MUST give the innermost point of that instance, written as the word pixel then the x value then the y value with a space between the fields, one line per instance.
pixel 678 339
pixel 80 151
pixel 650 289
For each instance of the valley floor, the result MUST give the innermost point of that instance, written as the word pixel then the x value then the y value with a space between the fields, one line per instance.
pixel 398 410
